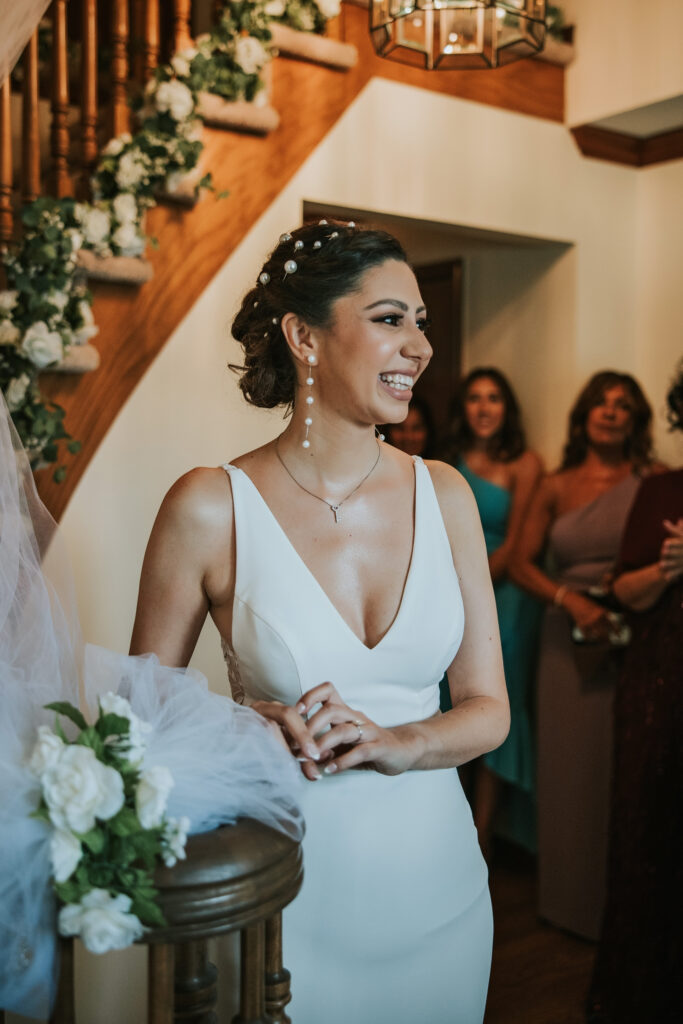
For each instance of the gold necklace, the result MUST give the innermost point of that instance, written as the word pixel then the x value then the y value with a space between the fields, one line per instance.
pixel 334 507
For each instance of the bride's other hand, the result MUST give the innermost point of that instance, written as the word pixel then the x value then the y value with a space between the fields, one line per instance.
pixel 348 739
pixel 294 732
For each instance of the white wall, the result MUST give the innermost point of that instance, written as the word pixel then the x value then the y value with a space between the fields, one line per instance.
pixel 628 53
pixel 549 316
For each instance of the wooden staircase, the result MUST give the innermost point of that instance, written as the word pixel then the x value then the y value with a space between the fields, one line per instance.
pixel 194 242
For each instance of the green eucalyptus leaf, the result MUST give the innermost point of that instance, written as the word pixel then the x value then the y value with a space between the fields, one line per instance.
pixel 63 707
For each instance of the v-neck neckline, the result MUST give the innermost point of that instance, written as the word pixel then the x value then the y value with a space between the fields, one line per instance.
pixel 328 600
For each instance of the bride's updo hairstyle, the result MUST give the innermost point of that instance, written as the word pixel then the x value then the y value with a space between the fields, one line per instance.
pixel 305 274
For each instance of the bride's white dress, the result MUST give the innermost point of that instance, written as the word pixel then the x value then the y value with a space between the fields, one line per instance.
pixel 393 924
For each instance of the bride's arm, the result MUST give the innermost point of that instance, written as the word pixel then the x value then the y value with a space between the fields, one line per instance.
pixel 480 718
pixel 189 559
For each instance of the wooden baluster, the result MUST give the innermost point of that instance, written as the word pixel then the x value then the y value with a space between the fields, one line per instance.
pixel 5 163
pixel 151 40
pixel 160 1001
pixel 88 93
pixel 137 31
pixel 252 976
pixel 64 1010
pixel 278 978
pixel 120 113
pixel 182 37
pixel 30 163
pixel 60 180
pixel 195 983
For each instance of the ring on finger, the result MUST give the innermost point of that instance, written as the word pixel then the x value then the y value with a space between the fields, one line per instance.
pixel 359 726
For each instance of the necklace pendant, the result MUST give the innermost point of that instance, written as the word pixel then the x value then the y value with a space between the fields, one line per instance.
pixel 337 512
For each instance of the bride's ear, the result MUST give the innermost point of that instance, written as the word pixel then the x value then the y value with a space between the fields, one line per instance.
pixel 301 340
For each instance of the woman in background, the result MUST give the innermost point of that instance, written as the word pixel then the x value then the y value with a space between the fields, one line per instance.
pixel 416 435
pixel 638 968
pixel 488 446
pixel 579 513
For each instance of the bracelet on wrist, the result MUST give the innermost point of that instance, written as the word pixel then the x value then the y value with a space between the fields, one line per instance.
pixel 560 595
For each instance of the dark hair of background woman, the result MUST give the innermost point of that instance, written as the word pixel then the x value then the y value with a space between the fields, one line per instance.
pixel 674 401
pixel 509 443
pixel 638 448
pixel 421 405
pixel 330 262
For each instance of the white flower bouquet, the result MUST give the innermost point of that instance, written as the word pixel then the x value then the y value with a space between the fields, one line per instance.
pixel 110 828
pixel 229 59
pixel 303 15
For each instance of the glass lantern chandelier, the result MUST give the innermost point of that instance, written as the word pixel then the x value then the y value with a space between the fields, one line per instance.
pixel 443 35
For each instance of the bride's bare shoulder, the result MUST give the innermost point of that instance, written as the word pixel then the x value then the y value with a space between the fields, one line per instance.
pixel 199 500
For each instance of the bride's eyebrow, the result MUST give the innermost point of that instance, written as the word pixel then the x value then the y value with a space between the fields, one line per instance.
pixel 394 302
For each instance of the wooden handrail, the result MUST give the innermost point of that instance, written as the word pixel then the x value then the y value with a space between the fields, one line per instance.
pixel 88 93
pixel 60 179
pixel 30 150
pixel 120 111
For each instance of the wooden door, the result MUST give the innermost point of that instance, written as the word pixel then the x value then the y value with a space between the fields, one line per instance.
pixel 441 287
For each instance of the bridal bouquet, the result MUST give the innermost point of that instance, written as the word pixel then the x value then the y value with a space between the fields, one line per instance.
pixel 109 823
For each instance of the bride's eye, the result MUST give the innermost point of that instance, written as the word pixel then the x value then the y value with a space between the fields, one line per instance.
pixel 423 324
pixel 394 319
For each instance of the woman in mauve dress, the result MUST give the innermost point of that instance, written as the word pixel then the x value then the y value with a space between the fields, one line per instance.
pixel 577 517
pixel 637 974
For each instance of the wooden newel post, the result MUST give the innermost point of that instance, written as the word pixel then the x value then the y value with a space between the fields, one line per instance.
pixel 31 139
pixel 120 112
pixel 6 220
pixel 252 976
pixel 89 94
pixel 60 180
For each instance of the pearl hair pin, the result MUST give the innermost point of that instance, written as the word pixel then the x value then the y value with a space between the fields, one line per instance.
pixel 291 267
pixel 264 277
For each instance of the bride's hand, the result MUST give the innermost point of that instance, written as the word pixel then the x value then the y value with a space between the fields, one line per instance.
pixel 294 733
pixel 351 739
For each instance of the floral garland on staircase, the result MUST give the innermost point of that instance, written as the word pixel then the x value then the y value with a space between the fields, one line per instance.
pixel 46 306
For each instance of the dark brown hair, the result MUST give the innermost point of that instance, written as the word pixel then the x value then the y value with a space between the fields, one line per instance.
pixel 509 443
pixel 331 258
pixel 674 401
pixel 638 446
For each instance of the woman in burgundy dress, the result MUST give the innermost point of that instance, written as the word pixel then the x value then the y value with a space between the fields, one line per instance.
pixel 638 968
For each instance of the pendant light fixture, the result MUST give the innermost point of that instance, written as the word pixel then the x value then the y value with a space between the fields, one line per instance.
pixel 443 35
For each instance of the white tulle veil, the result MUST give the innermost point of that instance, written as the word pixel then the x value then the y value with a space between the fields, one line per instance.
pixel 18 18
pixel 225 762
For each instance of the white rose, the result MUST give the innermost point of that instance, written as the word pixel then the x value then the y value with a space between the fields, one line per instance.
pixel 41 345
pixel 9 333
pixel 125 208
pixel 65 852
pixel 88 328
pixel 47 750
pixel 96 225
pixel 175 98
pixel 129 241
pixel 102 921
pixel 79 788
pixel 76 239
pixel 250 54
pixel 57 299
pixel 180 65
pixel 8 300
pixel 275 9
pixel 174 839
pixel 115 145
pixel 328 8
pixel 113 704
pixel 152 794
pixel 188 54
pixel 16 391
pixel 131 169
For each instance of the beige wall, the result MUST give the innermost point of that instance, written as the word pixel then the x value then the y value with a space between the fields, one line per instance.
pixel 628 53
pixel 550 315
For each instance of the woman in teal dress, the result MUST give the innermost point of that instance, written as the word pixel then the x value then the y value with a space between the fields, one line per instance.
pixel 487 445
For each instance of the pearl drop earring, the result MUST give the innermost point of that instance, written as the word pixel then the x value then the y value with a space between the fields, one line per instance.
pixel 309 401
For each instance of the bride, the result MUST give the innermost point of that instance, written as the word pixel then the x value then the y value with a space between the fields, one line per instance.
pixel 344 577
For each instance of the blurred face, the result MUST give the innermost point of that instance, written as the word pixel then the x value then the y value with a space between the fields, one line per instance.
pixel 411 435
pixel 375 349
pixel 610 422
pixel 484 408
